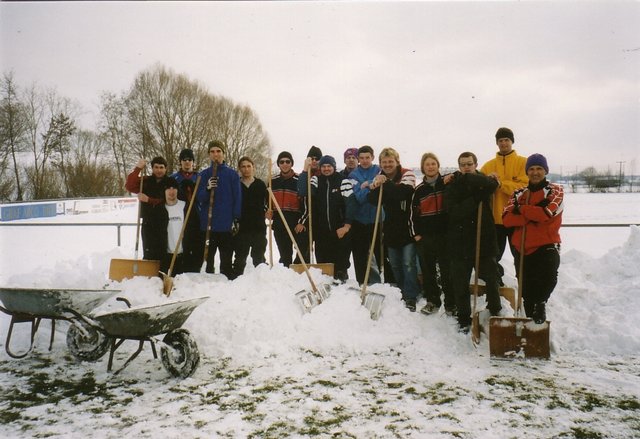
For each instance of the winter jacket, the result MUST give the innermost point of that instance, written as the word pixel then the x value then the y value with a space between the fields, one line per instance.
pixel 538 208
pixel 186 183
pixel 151 187
pixel 329 197
pixel 254 205
pixel 396 199
pixel 365 212
pixel 285 191
pixel 461 200
pixel 428 215
pixel 513 175
pixel 227 198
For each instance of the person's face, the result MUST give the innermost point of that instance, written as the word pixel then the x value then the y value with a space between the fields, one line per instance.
pixel 216 155
pixel 430 168
pixel 351 162
pixel 388 164
pixel 246 169
pixel 505 145
pixel 314 162
pixel 186 165
pixel 467 165
pixel 171 194
pixel 536 174
pixel 159 170
pixel 365 159
pixel 285 165
pixel 326 170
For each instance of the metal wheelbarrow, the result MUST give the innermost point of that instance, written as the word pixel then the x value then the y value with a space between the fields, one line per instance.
pixel 89 337
pixel 31 305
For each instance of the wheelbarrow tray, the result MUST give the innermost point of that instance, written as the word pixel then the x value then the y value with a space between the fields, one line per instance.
pixel 52 303
pixel 147 321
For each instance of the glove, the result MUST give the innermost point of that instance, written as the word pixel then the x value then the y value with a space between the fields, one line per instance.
pixel 212 183
pixel 516 206
pixel 543 203
pixel 235 227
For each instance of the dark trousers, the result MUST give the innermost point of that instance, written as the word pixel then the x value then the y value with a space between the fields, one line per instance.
pixel 461 269
pixel 222 241
pixel 285 246
pixel 540 275
pixel 152 242
pixel 502 238
pixel 254 241
pixel 436 270
pixel 330 249
pixel 361 235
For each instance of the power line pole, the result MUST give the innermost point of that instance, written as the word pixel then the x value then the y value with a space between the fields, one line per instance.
pixel 620 176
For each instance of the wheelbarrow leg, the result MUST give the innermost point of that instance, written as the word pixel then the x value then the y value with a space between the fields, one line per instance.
pixel 131 358
pixel 153 349
pixel 115 344
pixel 35 322
pixel 53 329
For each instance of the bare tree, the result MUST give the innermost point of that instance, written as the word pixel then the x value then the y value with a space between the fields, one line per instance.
pixel 12 131
pixel 115 127
pixel 60 129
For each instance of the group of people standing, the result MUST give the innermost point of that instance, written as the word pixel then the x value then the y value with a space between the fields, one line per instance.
pixel 431 232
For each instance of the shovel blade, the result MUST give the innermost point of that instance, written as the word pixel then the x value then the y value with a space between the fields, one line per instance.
pixel 518 337
pixel 373 302
pixel 167 284
pixel 308 300
pixel 326 268
pixel 120 269
pixel 475 328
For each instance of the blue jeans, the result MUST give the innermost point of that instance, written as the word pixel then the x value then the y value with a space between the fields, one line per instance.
pixel 403 264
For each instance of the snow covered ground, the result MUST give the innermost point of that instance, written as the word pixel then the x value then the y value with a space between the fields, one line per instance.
pixel 267 370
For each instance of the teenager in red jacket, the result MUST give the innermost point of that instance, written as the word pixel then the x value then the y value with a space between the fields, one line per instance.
pixel 536 210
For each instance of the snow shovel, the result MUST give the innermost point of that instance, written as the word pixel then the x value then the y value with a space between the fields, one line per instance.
pixel 167 280
pixel 475 315
pixel 513 337
pixel 506 292
pixel 308 299
pixel 326 267
pixel 120 269
pixel 372 301
pixel 214 172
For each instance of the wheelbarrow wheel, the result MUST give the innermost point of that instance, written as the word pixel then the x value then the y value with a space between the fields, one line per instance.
pixel 86 343
pixel 179 353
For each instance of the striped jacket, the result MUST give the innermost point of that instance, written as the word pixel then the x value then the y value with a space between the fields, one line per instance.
pixel 285 191
pixel 428 215
pixel 539 209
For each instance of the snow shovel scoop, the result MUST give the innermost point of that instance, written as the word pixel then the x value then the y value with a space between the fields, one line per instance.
pixel 120 269
pixel 372 301
pixel 518 337
pixel 326 267
pixel 317 295
pixel 167 280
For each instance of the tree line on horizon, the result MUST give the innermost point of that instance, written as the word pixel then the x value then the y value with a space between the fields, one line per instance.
pixel 45 154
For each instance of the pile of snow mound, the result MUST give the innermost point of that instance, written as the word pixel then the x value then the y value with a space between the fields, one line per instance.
pixel 594 307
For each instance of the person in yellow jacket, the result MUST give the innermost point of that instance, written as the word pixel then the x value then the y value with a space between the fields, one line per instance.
pixel 508 168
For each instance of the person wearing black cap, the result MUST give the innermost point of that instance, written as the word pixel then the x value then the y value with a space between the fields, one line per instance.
pixel 171 220
pixel 310 167
pixel 285 189
pixel 331 218
pixel 152 200
pixel 536 211
pixel 507 168
pixel 186 175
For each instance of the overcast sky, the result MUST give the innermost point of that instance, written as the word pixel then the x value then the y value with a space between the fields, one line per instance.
pixel 439 77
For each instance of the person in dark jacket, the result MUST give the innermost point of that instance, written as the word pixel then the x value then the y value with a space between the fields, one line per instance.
pixel 398 185
pixel 171 220
pixel 285 190
pixel 252 234
pixel 331 219
pixel 538 209
pixel 221 184
pixel 152 203
pixel 463 195
pixel 429 222
pixel 186 177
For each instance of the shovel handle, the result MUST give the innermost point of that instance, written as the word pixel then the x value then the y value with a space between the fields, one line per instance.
pixel 214 172
pixel 293 240
pixel 372 247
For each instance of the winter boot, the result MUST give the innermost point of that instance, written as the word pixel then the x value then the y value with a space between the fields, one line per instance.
pixel 539 314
